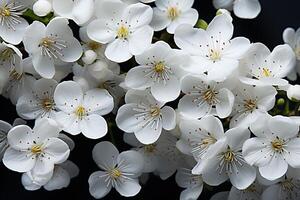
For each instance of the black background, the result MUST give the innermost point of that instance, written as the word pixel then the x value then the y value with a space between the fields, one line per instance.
pixel 267 28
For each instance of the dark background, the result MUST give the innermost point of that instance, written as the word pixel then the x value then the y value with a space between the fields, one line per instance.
pixel 267 28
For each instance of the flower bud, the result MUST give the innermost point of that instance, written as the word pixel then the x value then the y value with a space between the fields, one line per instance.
pixel 42 8
pixel 293 92
pixel 89 57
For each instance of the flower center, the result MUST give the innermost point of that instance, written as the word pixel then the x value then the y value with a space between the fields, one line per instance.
pixel 94 45
pixel 155 111
pixel 159 67
pixel 80 112
pixel 249 104
pixel 297 52
pixel 209 96
pixel 266 72
pixel 52 47
pixel 5 12
pixel 277 144
pixel 288 184
pixel 229 155
pixel 15 75
pixel 47 104
pixel 123 32
pixel 208 141
pixel 6 54
pixel 115 173
pixel 251 188
pixel 149 148
pixel 173 13
pixel 36 149
pixel 47 42
pixel 215 55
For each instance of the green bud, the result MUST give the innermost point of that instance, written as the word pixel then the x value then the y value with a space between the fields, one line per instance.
pixel 280 102
pixel 202 24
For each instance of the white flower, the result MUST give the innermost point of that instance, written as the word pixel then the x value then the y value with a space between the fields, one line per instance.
pixel 120 171
pixel 80 11
pixel 170 14
pixel 42 7
pixel 213 50
pixel 204 97
pixel 160 68
pixel 10 58
pixel 262 67
pixel 35 150
pixel 12 25
pixel 247 9
pixel 58 179
pixel 287 187
pixel 192 183
pixel 81 112
pixel 252 192
pixel 125 28
pixel 51 45
pixel 275 146
pixel 251 102
pixel 38 103
pixel 228 162
pixel 291 37
pixel 201 138
pixel 145 116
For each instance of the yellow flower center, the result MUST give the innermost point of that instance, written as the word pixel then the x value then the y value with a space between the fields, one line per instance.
pixel 159 67
pixel 15 75
pixel 173 13
pixel 277 144
pixel 115 173
pixel 80 112
pixel 123 32
pixel 209 96
pixel 288 184
pixel 208 141
pixel 215 55
pixel 36 149
pixel 47 42
pixel 229 155
pixel 47 104
pixel 266 72
pixel 94 45
pixel 6 54
pixel 297 52
pixel 155 111
pixel 149 148
pixel 5 12
pixel 249 104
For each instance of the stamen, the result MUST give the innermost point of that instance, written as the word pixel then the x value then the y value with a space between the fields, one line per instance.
pixel 159 67
pixel 215 55
pixel 10 14
pixel 150 148
pixel 115 173
pixel 209 96
pixel 15 75
pixel 52 47
pixel 154 111
pixel 80 112
pixel 288 185
pixel 266 72
pixel 278 144
pixel 173 13
pixel 94 45
pixel 36 149
pixel 123 32
pixel 250 105
pixel 47 104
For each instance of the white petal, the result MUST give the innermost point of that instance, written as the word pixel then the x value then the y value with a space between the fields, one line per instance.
pixel 14 36
pixel 168 118
pixel 191 193
pixel 288 36
pixel 212 125
pixel 275 169
pixel 243 177
pixel 56 150
pixel 59 180
pixel 98 187
pixel 18 161
pixel 248 9
pixel 136 79
pixel 68 96
pixel 167 91
pixel 97 30
pixel 237 136
pixel 128 187
pixel 211 175
pixel 220 28
pixel 160 20
pixel 150 133
pixel 145 34
pixel 46 128
pixel 224 107
pixel 43 65
pixel 20 137
pixel 283 127
pixel 118 51
pixel 73 50
pixel 237 48
pixel 126 118
pixel 107 159
pixel 138 15
pixel 98 101
pixel 293 153
pixel 131 162
pixel 93 126
pixel 192 108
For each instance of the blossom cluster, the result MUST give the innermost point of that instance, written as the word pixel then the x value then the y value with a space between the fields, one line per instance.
pixel 189 98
